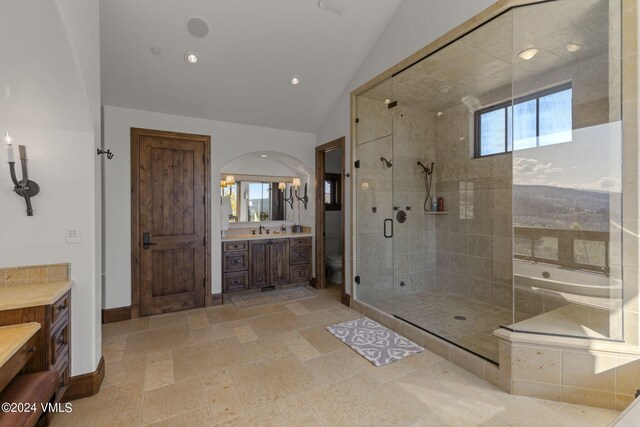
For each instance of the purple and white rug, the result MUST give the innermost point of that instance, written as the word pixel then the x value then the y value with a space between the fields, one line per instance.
pixel 373 341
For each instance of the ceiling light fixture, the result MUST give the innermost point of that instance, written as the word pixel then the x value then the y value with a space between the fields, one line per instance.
pixel 191 58
pixel 573 47
pixel 528 54
pixel 263 155
pixel 295 80
pixel 336 6
pixel 439 114
pixel 444 89
pixel 387 101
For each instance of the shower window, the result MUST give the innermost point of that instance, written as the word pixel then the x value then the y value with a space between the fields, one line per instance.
pixel 543 118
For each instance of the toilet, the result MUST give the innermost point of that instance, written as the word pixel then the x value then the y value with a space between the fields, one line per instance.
pixel 334 268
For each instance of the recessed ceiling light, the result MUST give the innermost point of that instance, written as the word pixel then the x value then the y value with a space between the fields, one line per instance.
pixel 439 114
pixel 573 47
pixel 156 50
pixel 444 89
pixel 295 80
pixel 528 54
pixel 191 58
pixel 263 155
pixel 387 101
pixel 335 6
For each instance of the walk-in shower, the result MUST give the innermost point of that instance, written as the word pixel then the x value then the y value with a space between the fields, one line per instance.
pixel 523 118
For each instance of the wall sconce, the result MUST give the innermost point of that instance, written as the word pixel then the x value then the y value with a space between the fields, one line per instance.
pixel 24 188
pixel 290 198
pixel 304 199
pixel 231 180
pixel 282 186
pixel 108 153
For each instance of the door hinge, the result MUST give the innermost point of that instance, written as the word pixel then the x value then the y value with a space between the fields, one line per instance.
pixel 357 120
pixel 204 160
pixel 204 282
pixel 204 241
pixel 357 280
pixel 203 200
pixel 357 164
pixel 392 104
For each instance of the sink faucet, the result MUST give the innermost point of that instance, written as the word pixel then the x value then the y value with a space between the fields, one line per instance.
pixel 262 227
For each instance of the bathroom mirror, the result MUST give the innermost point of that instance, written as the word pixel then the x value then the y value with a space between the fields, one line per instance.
pixel 254 198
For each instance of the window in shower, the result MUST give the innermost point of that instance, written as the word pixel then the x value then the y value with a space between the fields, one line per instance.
pixel 543 118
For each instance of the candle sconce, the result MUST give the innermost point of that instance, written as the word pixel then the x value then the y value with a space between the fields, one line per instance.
pixel 108 153
pixel 24 188
pixel 290 198
pixel 304 199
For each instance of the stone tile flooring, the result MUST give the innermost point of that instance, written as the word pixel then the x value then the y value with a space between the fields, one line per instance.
pixel 277 366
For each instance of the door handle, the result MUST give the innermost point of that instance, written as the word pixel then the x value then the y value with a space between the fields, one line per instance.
pixel 384 228
pixel 146 241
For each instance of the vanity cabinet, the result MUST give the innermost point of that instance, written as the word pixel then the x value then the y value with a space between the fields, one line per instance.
pixel 52 342
pixel 268 263
pixel 262 263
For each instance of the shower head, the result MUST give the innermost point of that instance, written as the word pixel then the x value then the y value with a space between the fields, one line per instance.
pixel 386 162
pixel 425 169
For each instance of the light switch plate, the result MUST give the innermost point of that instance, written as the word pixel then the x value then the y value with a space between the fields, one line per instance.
pixel 73 235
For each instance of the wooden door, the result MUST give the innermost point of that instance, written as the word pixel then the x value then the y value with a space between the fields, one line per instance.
pixel 172 214
pixel 258 263
pixel 279 262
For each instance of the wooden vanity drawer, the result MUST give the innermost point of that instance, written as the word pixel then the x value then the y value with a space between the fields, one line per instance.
pixel 300 273
pixel 12 366
pixel 235 246
pixel 300 255
pixel 59 343
pixel 233 282
pixel 235 261
pixel 63 379
pixel 60 308
pixel 300 241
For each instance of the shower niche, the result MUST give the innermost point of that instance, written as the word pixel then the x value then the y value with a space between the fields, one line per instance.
pixel 516 128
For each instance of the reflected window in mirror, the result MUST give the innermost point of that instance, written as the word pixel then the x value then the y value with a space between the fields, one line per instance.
pixel 255 201
pixel 332 192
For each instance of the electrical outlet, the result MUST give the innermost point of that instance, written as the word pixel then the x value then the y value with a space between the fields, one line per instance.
pixel 73 235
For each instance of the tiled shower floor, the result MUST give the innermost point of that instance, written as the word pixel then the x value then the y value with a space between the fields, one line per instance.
pixel 436 311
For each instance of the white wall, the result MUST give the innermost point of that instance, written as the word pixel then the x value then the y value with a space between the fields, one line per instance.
pixel 45 104
pixel 415 24
pixel 65 200
pixel 228 141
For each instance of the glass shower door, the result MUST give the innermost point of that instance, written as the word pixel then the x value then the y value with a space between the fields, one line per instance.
pixel 373 173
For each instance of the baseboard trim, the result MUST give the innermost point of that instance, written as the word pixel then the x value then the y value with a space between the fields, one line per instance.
pixel 85 385
pixel 215 299
pixel 346 299
pixel 118 314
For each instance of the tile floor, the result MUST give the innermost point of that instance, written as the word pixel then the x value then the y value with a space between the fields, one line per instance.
pixel 435 311
pixel 277 366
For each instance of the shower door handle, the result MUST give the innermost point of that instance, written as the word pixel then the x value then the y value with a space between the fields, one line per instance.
pixel 390 234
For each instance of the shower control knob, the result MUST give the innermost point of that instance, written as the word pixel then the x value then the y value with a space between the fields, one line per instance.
pixel 395 208
pixel 402 284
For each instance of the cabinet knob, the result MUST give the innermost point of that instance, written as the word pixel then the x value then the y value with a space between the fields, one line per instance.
pixel 31 349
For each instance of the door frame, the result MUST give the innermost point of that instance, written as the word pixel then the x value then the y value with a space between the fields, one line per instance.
pixel 321 150
pixel 136 133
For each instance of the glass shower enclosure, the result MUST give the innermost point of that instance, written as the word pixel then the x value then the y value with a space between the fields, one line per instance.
pixel 515 128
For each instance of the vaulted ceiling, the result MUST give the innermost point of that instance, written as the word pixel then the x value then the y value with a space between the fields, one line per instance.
pixel 245 62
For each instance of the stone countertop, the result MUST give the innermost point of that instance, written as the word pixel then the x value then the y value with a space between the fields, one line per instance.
pixel 13 337
pixel 20 296
pixel 264 237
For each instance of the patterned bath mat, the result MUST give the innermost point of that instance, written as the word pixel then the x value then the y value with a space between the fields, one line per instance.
pixel 272 297
pixel 373 341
